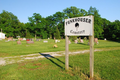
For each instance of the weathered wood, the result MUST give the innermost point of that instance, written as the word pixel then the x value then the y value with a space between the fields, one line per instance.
pixel 91 38
pixel 66 53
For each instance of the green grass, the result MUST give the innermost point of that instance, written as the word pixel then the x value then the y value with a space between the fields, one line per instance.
pixel 11 48
pixel 106 67
pixel 106 62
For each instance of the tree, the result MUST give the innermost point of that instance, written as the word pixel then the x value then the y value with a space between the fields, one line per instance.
pixel 114 31
pixel 59 22
pixel 83 12
pixel 51 26
pixel 9 24
pixel 57 34
pixel 72 12
pixel 38 25
pixel 105 25
pixel 28 34
pixel 98 29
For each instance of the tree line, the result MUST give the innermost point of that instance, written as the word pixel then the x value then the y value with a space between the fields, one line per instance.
pixel 53 26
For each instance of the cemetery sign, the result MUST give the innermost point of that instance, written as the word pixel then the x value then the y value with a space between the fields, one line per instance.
pixel 79 26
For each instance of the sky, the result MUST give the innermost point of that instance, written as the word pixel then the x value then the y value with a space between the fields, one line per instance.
pixel 109 9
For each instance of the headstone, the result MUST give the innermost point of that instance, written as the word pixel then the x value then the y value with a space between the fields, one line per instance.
pixel 69 42
pixel 10 39
pixel 24 38
pixel 76 41
pixel 18 42
pixel 31 39
pixel 56 41
pixel 5 37
pixel 15 39
pixel 45 41
pixel 81 41
pixel 18 36
pixel 6 41
pixel 29 42
pixel 105 39
pixel 20 39
pixel 38 39
pixel 96 40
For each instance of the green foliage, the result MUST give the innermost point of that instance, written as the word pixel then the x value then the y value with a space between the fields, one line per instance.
pixel 28 34
pixel 10 24
pixel 57 34
pixel 46 27
pixel 72 12
pixel 73 38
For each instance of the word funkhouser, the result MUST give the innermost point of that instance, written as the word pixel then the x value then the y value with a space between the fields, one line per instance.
pixel 79 26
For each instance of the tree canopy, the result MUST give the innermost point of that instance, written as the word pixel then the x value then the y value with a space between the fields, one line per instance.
pixel 53 25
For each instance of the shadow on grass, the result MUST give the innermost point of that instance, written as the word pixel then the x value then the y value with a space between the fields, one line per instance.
pixel 49 57
pixel 83 43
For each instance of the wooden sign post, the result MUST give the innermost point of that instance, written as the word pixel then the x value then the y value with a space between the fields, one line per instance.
pixel 67 53
pixel 80 26
pixel 91 38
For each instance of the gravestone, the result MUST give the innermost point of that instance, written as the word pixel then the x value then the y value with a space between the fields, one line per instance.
pixel 45 41
pixel 20 39
pixel 81 41
pixel 29 42
pixel 69 42
pixel 96 40
pixel 105 39
pixel 76 41
pixel 18 42
pixel 24 38
pixel 38 39
pixel 10 39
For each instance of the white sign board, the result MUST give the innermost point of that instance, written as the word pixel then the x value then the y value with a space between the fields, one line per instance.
pixel 79 26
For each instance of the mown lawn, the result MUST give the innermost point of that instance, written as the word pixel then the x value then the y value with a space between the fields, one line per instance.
pixel 106 62
pixel 11 48
pixel 106 67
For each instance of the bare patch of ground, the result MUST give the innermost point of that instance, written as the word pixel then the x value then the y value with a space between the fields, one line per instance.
pixel 16 59
pixel 21 58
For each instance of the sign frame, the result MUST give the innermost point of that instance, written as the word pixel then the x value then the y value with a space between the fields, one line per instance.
pixel 91 41
pixel 79 26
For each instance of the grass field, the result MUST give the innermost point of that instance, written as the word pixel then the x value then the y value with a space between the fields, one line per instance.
pixel 106 63
pixel 106 67
pixel 11 48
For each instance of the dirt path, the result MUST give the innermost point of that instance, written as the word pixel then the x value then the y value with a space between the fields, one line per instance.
pixel 16 59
